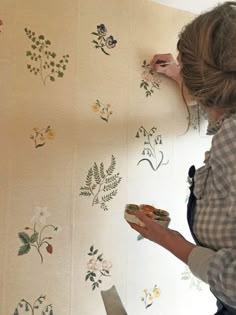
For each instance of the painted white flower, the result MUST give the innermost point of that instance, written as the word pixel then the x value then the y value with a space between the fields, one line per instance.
pixel 40 214
pixel 106 265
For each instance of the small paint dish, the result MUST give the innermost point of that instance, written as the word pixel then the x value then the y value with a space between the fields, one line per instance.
pixel 158 215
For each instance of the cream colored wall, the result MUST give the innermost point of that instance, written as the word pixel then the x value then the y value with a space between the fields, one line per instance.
pixel 51 176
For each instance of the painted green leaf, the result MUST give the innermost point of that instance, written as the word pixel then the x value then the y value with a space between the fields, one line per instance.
pixel 41 37
pixel 140 237
pixel 34 237
pixel 40 145
pixel 24 249
pixel 106 53
pixel 100 257
pixel 87 277
pixel 24 237
pixel 52 78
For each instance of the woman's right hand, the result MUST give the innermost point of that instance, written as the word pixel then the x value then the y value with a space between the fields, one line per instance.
pixel 171 70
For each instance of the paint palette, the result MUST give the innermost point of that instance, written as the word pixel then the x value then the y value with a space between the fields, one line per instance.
pixel 155 214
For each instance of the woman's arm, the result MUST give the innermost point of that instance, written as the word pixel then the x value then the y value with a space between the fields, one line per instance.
pixel 171 240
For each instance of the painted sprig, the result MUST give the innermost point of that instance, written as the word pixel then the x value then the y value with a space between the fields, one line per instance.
pixel 41 136
pixel 35 236
pixel 104 111
pixel 103 41
pixel 153 155
pixel 150 296
pixel 98 268
pixel 193 281
pixel 101 184
pixel 37 307
pixel 150 79
pixel 45 61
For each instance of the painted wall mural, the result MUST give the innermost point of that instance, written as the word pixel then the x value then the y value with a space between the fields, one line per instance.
pixel 38 307
pixel 38 237
pixel 104 111
pixel 101 71
pixel 41 136
pixel 103 41
pixel 46 63
pixel 101 185
pixel 193 281
pixel 153 155
pixel 98 268
pixel 150 295
pixel 150 79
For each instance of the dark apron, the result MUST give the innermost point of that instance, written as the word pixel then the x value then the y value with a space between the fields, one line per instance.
pixel 223 309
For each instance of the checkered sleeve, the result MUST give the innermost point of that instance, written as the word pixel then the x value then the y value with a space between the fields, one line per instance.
pixel 218 267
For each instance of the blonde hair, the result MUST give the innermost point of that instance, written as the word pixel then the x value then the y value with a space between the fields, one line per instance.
pixel 207 51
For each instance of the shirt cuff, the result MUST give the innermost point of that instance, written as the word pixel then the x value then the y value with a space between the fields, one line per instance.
pixel 198 262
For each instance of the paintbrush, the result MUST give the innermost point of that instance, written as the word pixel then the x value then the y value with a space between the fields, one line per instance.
pixel 163 63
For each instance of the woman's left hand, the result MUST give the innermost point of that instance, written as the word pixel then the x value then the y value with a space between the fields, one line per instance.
pixel 165 237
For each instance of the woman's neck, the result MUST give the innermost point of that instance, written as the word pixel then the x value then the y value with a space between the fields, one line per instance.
pixel 213 113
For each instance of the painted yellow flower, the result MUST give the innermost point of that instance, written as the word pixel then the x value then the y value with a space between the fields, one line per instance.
pixel 145 290
pixel 50 135
pixel 150 298
pixel 95 107
pixel 156 292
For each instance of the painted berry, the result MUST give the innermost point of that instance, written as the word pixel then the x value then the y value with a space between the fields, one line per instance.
pixel 49 249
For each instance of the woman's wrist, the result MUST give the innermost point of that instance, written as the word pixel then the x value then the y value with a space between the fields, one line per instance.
pixel 175 243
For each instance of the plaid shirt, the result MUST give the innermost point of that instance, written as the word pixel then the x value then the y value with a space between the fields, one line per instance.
pixel 215 213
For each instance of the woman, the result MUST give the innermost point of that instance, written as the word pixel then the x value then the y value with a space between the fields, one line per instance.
pixel 207 74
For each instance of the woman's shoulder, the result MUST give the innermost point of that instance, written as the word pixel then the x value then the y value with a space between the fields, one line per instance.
pixel 227 129
pixel 224 141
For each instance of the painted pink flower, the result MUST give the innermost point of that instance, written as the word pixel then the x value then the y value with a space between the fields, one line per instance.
pixel 93 264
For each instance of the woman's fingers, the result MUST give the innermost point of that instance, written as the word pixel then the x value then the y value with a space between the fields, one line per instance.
pixel 141 230
pixel 161 58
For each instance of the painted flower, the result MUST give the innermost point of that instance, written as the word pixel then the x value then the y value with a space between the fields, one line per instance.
pixel 111 42
pixel 156 293
pixel 93 264
pixel 50 134
pixel 106 265
pixel 36 129
pixel 41 213
pixel 101 29
pixel 95 107
pixel 42 138
pixel 147 76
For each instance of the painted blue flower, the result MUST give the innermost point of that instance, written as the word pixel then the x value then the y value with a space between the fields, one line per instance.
pixel 111 42
pixel 101 29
